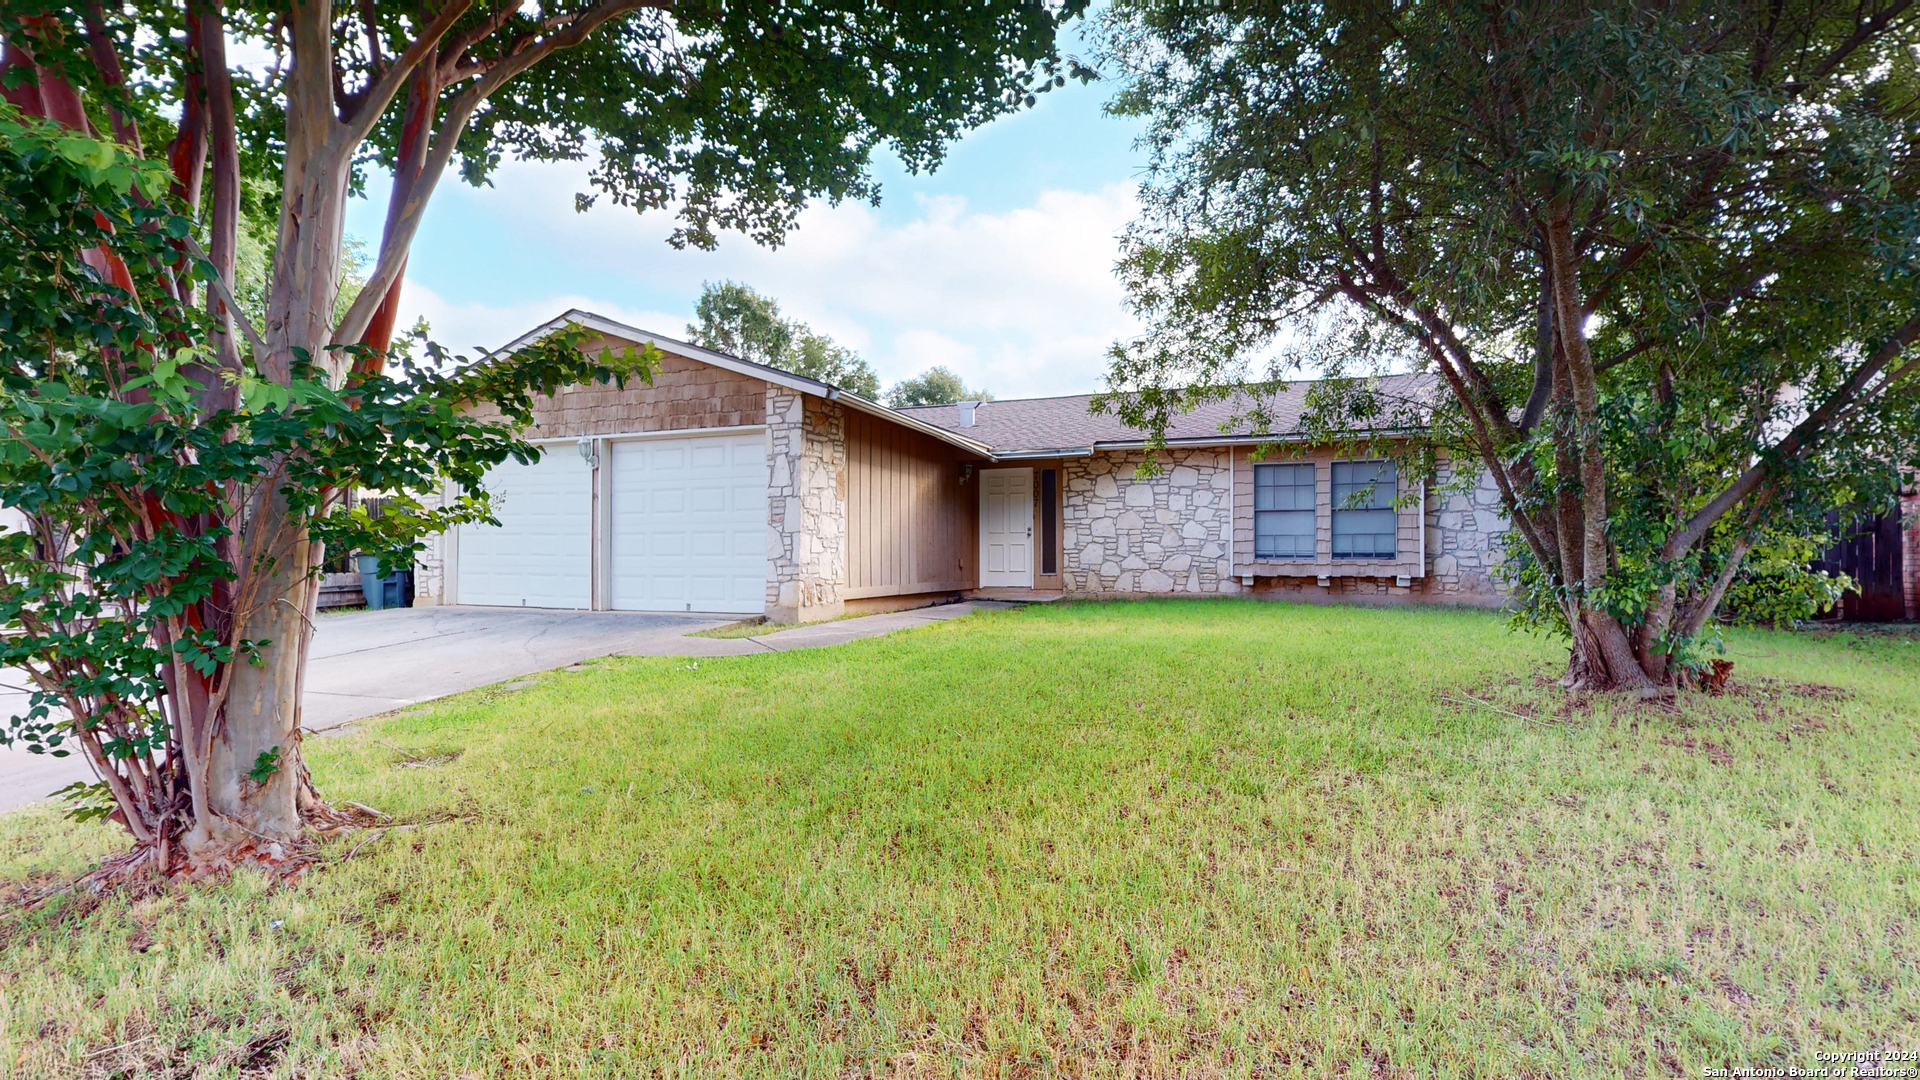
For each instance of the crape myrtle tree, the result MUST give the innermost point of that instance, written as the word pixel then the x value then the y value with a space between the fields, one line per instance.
pixel 170 500
pixel 1660 261
pixel 181 466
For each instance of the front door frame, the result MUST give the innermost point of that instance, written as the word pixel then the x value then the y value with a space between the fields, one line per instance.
pixel 1024 504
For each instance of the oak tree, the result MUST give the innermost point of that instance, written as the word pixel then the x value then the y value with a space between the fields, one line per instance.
pixel 1662 262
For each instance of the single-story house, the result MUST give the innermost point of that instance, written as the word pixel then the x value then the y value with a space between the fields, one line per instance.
pixel 729 486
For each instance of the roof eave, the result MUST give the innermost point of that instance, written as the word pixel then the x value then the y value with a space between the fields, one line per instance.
pixel 610 327
pixel 1056 452
pixel 1252 440
pixel 874 408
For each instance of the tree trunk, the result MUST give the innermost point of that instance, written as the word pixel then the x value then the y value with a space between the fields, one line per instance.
pixel 260 715
pixel 1608 661
pixel 313 197
pixel 208 28
pixel 254 775
pixel 416 131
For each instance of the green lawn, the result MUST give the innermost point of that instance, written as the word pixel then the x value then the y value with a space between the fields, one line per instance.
pixel 1151 839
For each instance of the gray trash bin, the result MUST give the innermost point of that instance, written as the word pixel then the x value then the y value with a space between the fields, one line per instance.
pixel 371 587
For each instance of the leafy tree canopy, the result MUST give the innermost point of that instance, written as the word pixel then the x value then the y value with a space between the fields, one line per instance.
pixel 937 385
pixel 736 320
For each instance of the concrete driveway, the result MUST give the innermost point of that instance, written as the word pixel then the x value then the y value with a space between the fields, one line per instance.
pixel 369 662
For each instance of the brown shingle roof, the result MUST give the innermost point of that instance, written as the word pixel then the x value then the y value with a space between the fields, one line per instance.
pixel 1034 425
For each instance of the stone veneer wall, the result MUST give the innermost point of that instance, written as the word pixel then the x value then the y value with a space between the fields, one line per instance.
pixel 1465 531
pixel 1170 534
pixel 1167 534
pixel 430 573
pixel 806 507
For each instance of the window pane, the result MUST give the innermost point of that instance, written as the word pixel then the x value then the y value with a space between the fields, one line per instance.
pixel 1365 534
pixel 1363 485
pixel 1365 525
pixel 1283 487
pixel 1049 521
pixel 1283 534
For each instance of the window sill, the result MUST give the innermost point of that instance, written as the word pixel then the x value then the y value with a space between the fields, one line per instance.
pixel 1339 568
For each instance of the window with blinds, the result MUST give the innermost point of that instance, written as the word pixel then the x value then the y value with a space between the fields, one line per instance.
pixel 1365 525
pixel 1283 511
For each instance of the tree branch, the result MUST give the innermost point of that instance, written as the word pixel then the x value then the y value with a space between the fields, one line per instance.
pixel 1863 32
pixel 381 92
pixel 1543 353
pixel 233 306
pixel 393 251
pixel 456 46
pixel 106 59
pixel 1801 438
pixel 208 28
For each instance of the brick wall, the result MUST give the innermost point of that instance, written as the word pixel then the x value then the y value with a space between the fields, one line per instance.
pixel 684 394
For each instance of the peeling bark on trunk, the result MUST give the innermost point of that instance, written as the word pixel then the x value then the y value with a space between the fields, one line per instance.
pixel 416 131
pixel 209 32
pixel 261 712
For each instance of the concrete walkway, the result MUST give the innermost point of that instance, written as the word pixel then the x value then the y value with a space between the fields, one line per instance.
pixel 812 636
pixel 367 663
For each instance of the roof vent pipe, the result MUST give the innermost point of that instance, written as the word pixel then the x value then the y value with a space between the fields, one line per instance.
pixel 966 412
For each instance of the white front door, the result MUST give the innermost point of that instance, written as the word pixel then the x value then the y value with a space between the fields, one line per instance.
pixel 688 524
pixel 1006 528
pixel 541 553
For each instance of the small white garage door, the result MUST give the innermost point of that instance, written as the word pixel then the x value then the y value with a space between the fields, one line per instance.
pixel 689 524
pixel 541 553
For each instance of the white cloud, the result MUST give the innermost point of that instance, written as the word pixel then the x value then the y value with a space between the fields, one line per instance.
pixel 919 350
pixel 466 328
pixel 1022 301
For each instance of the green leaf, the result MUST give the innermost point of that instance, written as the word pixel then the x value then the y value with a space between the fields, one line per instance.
pixel 265 766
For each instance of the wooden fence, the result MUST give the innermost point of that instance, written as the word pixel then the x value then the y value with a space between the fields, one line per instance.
pixel 1877 552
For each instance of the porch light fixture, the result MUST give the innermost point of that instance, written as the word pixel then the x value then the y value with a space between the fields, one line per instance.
pixel 966 471
pixel 587 455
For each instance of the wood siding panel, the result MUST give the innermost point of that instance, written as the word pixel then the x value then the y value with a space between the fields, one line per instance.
pixel 909 519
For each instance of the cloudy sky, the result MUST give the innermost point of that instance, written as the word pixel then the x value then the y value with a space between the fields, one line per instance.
pixel 999 265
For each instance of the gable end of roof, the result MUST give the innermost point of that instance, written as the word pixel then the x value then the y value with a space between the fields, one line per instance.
pixel 787 379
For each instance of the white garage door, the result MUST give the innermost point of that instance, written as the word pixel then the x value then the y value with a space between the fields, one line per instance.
pixel 540 555
pixel 689 524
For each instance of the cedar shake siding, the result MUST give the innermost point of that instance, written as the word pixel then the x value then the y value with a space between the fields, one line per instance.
pixel 685 395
